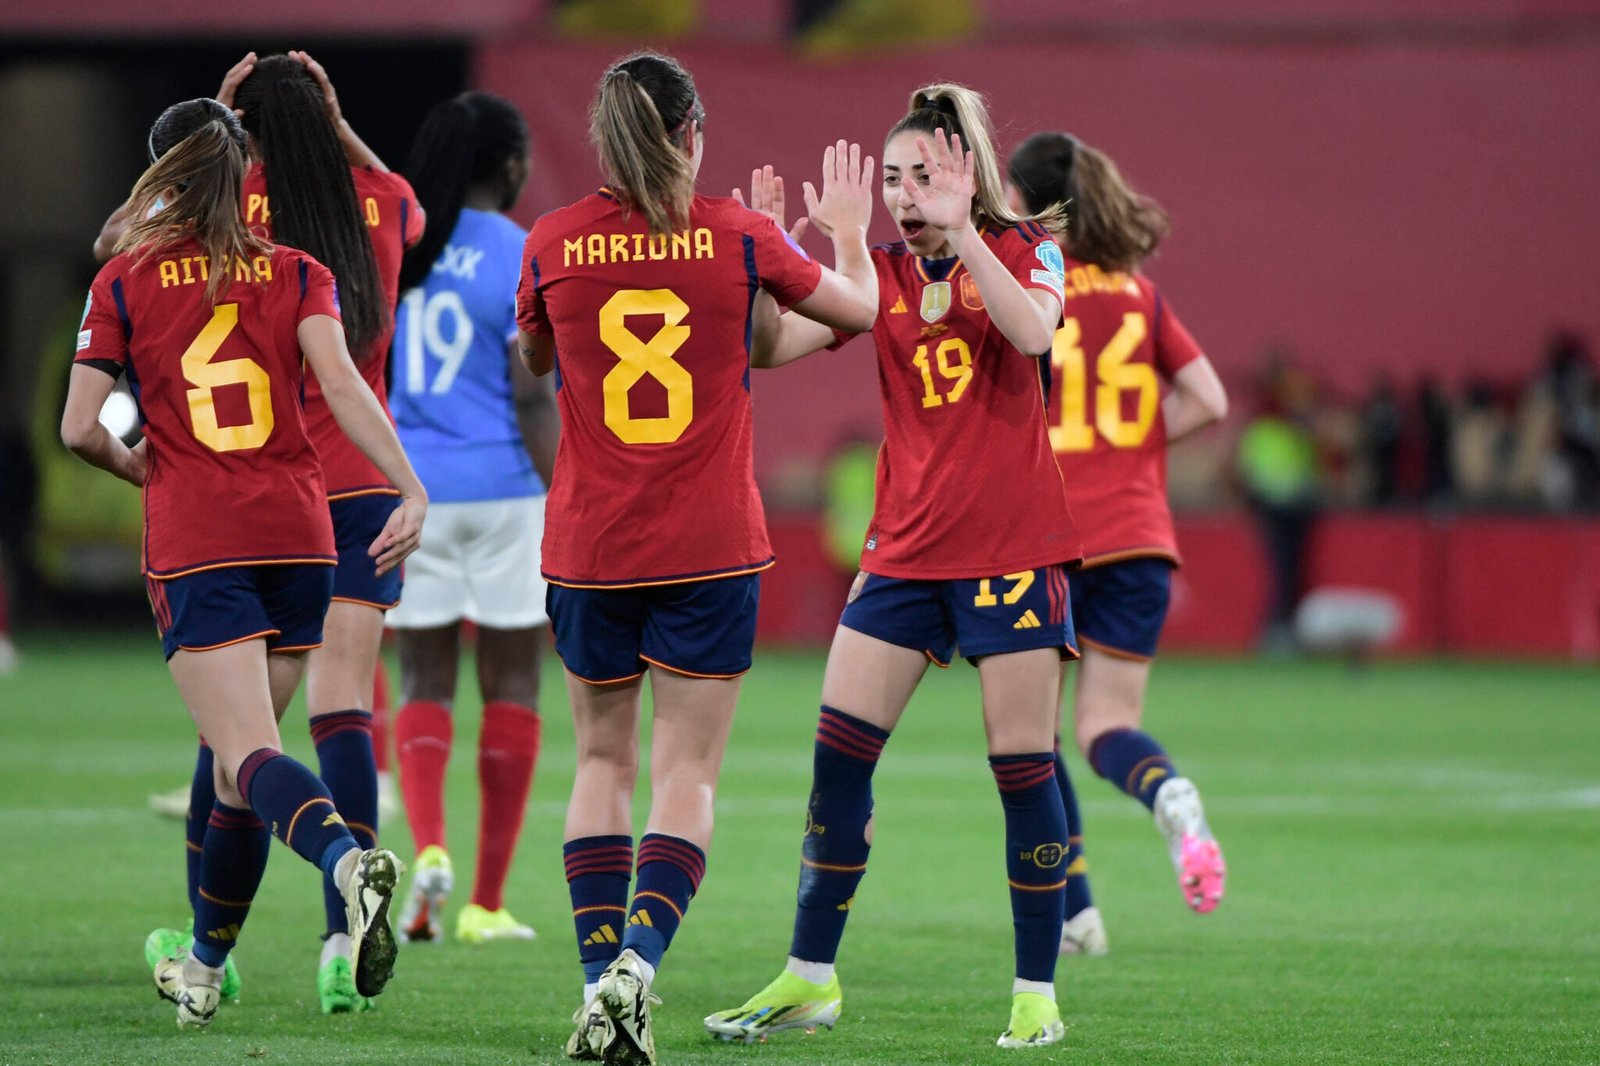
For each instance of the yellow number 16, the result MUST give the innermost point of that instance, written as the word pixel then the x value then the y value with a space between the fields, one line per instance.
pixel 641 359
pixel 1115 376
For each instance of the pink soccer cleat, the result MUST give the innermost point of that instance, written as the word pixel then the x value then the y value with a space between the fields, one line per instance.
pixel 1195 852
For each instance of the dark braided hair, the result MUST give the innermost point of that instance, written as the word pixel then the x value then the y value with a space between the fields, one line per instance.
pixel 464 141
pixel 310 192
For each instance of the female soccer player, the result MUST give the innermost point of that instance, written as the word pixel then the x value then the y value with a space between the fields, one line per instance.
pixel 469 414
pixel 968 547
pixel 212 322
pixel 314 185
pixel 639 296
pixel 1118 344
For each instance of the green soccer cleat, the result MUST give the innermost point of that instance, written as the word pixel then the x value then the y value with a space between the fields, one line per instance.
pixel 1035 1022
pixel 431 881
pixel 172 944
pixel 475 925
pixel 790 1002
pixel 336 988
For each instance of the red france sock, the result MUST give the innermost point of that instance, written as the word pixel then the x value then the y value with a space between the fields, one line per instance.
pixel 422 733
pixel 508 747
pixel 380 717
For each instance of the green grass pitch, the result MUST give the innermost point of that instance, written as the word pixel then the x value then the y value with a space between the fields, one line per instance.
pixel 1415 858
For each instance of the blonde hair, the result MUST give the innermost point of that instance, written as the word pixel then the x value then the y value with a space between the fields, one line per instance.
pixel 1113 226
pixel 197 182
pixel 961 111
pixel 640 123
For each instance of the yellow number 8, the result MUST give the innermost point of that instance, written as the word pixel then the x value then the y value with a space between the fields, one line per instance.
pixel 206 377
pixel 641 359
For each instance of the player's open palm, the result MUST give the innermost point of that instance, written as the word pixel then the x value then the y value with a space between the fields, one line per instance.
pixel 766 198
pixel 945 199
pixel 401 534
pixel 846 200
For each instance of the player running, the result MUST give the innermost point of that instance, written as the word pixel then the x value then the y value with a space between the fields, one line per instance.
pixel 211 323
pixel 639 296
pixel 314 185
pixel 458 400
pixel 1119 343
pixel 968 546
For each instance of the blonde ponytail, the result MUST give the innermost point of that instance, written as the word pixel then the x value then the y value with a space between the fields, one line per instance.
pixel 197 182
pixel 639 124
pixel 961 111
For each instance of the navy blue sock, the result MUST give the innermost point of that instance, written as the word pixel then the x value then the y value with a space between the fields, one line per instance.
pixel 233 860
pixel 670 870
pixel 1133 761
pixel 1078 895
pixel 350 770
pixel 296 807
pixel 599 870
pixel 833 856
pixel 202 797
pixel 1036 856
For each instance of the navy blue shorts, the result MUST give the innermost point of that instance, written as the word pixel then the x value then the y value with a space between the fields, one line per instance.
pixel 1120 607
pixel 980 616
pixel 357 521
pixel 695 628
pixel 214 608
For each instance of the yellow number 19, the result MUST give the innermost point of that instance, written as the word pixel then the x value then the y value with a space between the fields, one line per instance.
pixel 1115 375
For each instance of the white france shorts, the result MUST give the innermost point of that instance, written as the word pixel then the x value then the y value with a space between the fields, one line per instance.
pixel 479 562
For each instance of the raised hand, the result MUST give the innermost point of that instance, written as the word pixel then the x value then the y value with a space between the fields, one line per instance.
pixel 766 197
pixel 846 200
pixel 230 81
pixel 945 201
pixel 323 82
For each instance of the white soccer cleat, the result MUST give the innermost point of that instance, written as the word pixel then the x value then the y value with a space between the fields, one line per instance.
pixel 173 804
pixel 588 1041
pixel 431 881
pixel 193 986
pixel 366 902
pixel 1195 852
pixel 1084 934
pixel 625 999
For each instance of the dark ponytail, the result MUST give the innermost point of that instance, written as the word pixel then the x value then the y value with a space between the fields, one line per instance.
pixel 1112 226
pixel 310 192
pixel 464 141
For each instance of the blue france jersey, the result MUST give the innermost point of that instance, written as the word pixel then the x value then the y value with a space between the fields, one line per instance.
pixel 451 396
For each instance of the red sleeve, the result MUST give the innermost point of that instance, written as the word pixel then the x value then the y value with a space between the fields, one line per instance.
pixel 1175 348
pixel 531 317
pixel 783 267
pixel 392 183
pixel 319 295
pixel 103 333
pixel 1033 259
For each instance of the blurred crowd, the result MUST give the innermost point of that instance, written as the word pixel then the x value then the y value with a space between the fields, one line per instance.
pixel 1531 445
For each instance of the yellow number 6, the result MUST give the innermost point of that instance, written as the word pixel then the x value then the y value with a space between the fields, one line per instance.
pixel 641 359
pixel 206 377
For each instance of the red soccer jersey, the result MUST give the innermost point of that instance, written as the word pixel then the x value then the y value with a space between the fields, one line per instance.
pixel 389 208
pixel 232 477
pixel 1118 342
pixel 654 480
pixel 967 486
